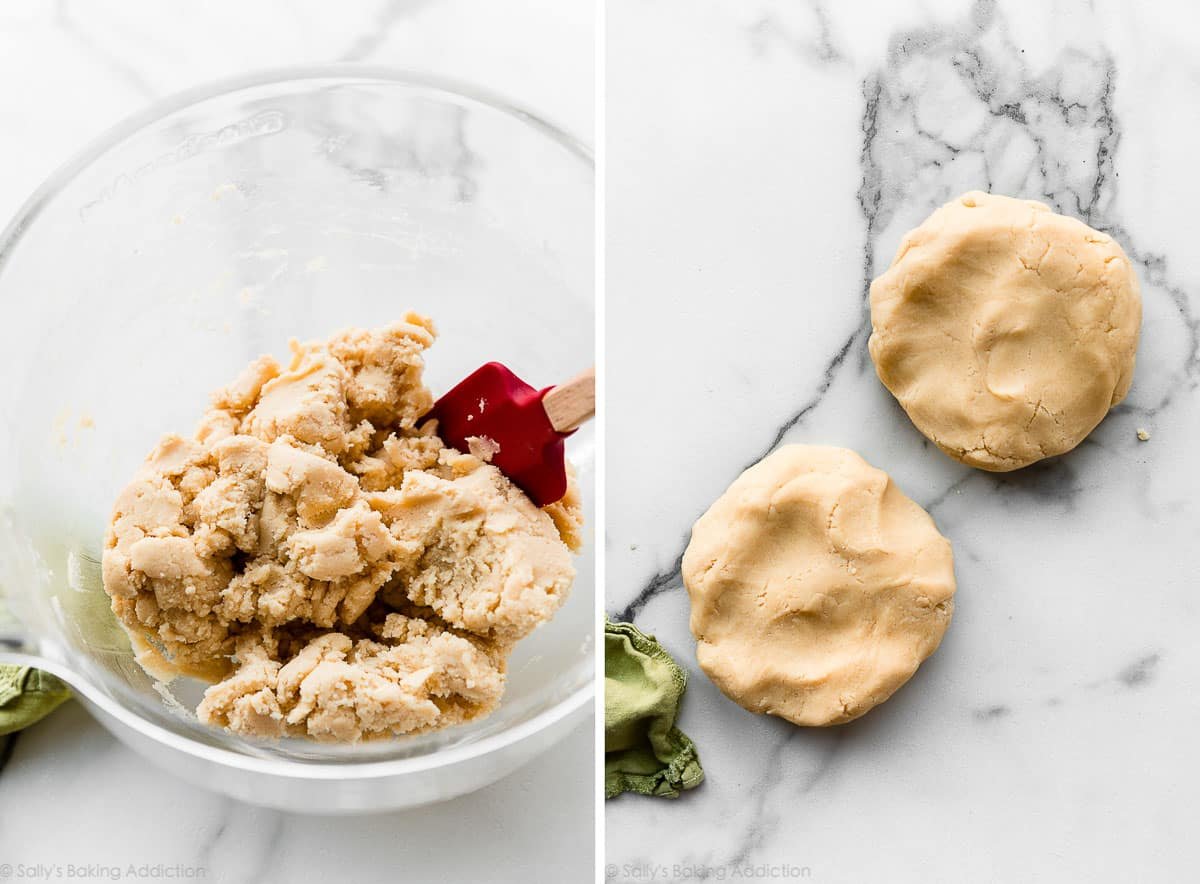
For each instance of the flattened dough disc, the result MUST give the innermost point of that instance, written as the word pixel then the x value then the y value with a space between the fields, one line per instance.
pixel 1005 331
pixel 817 587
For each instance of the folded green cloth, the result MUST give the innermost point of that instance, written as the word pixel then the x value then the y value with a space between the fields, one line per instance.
pixel 28 695
pixel 643 750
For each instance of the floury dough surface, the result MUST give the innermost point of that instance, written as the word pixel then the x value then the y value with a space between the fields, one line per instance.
pixel 1005 331
pixel 817 587
pixel 333 567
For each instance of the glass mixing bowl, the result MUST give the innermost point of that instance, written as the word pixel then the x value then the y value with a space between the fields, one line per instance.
pixel 211 229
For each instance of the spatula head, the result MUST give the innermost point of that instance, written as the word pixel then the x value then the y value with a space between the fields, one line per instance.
pixel 494 404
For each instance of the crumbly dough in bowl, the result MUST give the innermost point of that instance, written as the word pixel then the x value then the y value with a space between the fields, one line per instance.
pixel 321 556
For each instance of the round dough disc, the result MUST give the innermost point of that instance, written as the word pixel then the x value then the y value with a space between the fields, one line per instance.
pixel 817 587
pixel 1005 331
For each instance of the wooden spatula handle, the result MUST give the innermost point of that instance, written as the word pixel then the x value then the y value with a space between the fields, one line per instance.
pixel 569 405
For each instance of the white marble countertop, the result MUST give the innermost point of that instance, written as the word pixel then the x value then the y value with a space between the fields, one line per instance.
pixel 69 793
pixel 764 160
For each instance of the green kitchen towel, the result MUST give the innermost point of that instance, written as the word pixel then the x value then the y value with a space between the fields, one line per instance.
pixel 28 695
pixel 643 750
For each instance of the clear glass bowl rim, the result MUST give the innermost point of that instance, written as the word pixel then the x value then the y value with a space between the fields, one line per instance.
pixel 31 208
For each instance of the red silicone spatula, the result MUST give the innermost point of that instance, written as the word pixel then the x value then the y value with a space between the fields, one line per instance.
pixel 525 427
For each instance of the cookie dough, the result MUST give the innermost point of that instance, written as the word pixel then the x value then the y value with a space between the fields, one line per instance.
pixel 817 587
pixel 320 554
pixel 1005 331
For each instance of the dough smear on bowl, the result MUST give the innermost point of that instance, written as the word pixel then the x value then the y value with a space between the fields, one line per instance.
pixel 817 587
pixel 326 560
pixel 1006 332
